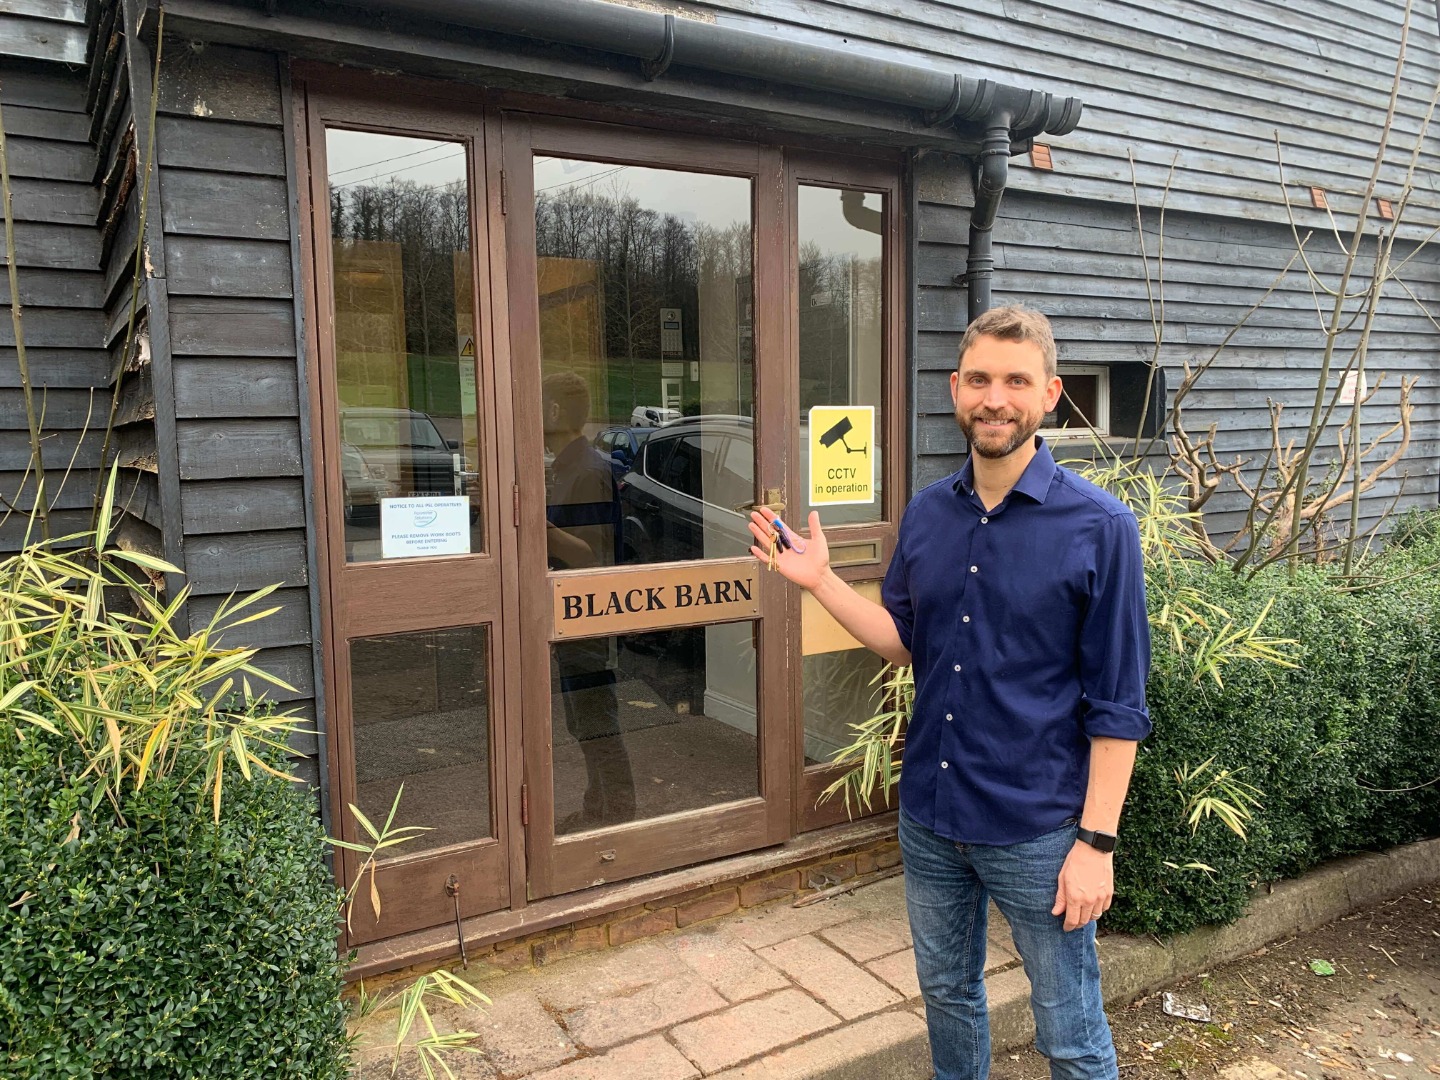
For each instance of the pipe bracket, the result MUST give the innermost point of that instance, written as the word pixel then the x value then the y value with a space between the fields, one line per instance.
pixel 653 69
pixel 934 119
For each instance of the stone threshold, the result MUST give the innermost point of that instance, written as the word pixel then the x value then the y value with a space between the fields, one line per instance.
pixel 827 990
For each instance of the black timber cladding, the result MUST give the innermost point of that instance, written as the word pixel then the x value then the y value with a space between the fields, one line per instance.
pixel 226 199
pixel 58 264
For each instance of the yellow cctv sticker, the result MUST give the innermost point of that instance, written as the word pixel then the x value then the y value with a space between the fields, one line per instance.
pixel 842 454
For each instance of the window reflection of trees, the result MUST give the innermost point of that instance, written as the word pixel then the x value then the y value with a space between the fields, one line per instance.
pixel 840 302
pixel 632 261
pixel 429 224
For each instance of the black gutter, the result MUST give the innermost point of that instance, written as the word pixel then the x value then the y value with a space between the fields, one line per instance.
pixel 659 40
pixel 1009 115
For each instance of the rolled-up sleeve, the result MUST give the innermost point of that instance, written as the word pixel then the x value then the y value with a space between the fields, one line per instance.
pixel 1115 636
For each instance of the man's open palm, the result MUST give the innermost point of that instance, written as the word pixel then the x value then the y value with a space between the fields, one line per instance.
pixel 805 569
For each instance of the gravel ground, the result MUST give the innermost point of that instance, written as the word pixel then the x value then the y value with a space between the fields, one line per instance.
pixel 1273 1015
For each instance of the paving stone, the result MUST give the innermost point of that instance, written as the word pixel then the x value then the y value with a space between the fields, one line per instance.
pixel 375 1065
pixel 898 969
pixel 662 1005
pixel 891 1045
pixel 519 1035
pixel 836 980
pixel 751 1029
pixel 648 1059
pixel 585 979
pixel 726 964
pixel 764 928
pixel 378 1030
pixel 1254 1069
pixel 869 939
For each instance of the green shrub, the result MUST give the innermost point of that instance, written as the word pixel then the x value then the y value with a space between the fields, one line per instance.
pixel 166 944
pixel 165 907
pixel 1344 746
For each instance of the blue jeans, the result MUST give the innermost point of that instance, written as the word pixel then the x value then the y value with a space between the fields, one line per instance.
pixel 947 887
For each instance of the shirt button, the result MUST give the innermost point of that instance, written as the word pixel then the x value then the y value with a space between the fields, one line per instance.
pixel 944 764
pixel 949 717
pixel 984 521
pixel 965 618
pixel 957 667
pixel 974 569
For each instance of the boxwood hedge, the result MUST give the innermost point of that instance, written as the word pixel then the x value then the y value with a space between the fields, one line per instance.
pixel 154 941
pixel 1345 747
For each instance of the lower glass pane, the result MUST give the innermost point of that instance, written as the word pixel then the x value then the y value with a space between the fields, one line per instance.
pixel 422 719
pixel 652 724
pixel 837 676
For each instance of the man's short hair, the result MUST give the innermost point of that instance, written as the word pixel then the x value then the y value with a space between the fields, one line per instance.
pixel 568 390
pixel 1013 323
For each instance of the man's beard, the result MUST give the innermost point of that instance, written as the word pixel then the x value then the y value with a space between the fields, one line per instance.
pixel 993 444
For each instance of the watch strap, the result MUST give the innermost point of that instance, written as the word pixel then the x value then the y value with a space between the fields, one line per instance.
pixel 1100 841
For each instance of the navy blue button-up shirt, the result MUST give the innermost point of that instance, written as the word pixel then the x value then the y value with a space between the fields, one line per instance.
pixel 1028 633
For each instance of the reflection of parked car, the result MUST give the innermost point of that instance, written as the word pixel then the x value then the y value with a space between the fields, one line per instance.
pixel 405 448
pixel 689 492
pixel 652 416
pixel 364 485
pixel 620 445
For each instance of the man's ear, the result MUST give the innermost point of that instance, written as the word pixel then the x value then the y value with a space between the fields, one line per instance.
pixel 955 388
pixel 1053 389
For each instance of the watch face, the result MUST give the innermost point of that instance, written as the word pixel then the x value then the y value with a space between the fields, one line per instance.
pixel 1100 841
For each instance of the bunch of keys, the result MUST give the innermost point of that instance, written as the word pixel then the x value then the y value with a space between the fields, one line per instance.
pixel 781 536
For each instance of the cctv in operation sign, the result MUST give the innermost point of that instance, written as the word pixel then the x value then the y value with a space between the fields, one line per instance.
pixel 842 454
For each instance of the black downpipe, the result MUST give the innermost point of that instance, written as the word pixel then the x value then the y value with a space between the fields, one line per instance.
pixel 992 170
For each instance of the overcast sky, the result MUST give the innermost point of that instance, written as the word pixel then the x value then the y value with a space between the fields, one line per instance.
pixel 358 157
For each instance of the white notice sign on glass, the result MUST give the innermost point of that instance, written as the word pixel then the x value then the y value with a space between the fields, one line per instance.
pixel 431 526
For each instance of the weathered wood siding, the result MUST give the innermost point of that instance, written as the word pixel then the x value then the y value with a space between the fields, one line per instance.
pixel 227 213
pixel 53 165
pixel 1081 263
pixel 1204 84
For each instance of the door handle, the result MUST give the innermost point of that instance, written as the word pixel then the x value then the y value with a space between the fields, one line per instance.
pixel 774 500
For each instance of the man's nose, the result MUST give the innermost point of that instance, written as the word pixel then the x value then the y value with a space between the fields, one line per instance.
pixel 995 396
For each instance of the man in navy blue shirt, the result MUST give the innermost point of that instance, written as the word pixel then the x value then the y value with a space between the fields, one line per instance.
pixel 1017 592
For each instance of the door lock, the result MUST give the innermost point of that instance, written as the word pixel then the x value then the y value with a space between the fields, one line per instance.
pixel 774 499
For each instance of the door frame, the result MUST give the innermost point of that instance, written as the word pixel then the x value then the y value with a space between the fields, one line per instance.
pixel 322 91
pixel 412 885
pixel 565 864
pixel 833 170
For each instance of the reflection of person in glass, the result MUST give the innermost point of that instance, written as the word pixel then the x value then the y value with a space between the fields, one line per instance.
pixel 582 529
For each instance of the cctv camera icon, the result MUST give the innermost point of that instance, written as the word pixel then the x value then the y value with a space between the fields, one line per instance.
pixel 837 433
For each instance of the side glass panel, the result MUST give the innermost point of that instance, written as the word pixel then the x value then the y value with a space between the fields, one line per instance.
pixel 651 724
pixel 646 306
pixel 422 719
pixel 405 345
pixel 837 675
pixel 842 327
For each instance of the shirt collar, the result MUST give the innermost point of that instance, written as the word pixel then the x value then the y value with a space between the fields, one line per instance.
pixel 1034 481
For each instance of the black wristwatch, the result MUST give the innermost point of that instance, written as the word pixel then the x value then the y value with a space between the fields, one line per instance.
pixel 1100 841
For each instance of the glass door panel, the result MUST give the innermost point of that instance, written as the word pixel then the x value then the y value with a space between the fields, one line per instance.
pixel 410 475
pixel 405 345
pixel 841 327
pixel 422 722
pixel 649 406
pixel 847 365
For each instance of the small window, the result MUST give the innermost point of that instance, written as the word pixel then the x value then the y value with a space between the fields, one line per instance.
pixel 1084 406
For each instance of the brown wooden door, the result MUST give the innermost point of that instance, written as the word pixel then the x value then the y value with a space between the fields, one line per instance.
pixel 643 272
pixel 415 504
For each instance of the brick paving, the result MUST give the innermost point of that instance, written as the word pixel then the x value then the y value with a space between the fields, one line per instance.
pixel 774 992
